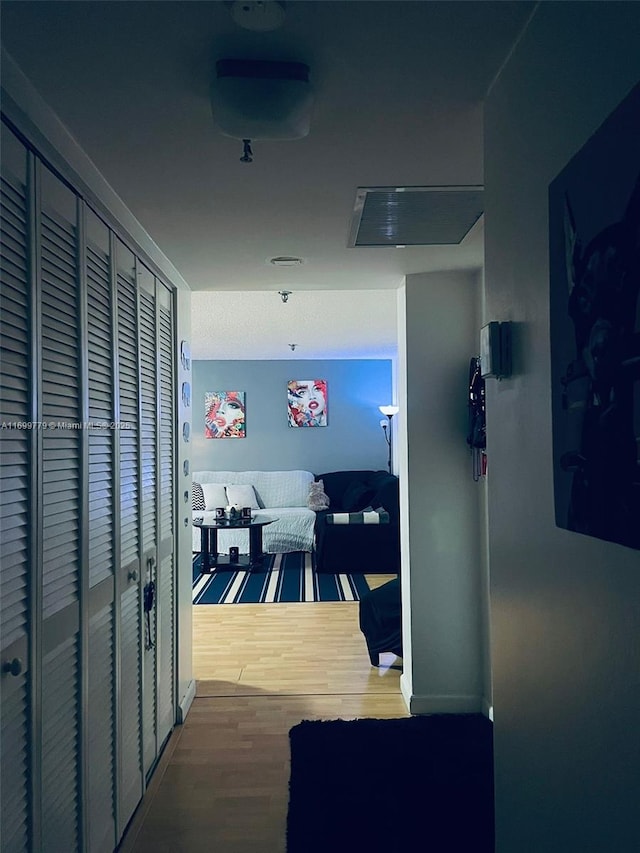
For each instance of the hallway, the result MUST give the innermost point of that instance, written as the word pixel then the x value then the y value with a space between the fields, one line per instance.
pixel 222 783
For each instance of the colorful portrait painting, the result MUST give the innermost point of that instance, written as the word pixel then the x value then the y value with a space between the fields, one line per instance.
pixel 594 244
pixel 224 414
pixel 307 402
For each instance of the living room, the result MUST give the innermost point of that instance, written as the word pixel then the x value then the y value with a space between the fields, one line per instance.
pixel 353 440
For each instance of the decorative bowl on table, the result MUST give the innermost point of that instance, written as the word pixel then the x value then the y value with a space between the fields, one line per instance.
pixel 233 513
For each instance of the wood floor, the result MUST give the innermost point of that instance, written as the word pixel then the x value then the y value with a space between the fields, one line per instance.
pixel 222 783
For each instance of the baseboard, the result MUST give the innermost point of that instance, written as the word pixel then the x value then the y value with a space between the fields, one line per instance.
pixel 487 708
pixel 185 702
pixel 447 704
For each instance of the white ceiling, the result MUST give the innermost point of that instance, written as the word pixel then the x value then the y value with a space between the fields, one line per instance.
pixel 398 86
pixel 322 324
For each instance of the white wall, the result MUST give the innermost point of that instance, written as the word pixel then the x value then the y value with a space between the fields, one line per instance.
pixel 186 686
pixel 565 617
pixel 440 503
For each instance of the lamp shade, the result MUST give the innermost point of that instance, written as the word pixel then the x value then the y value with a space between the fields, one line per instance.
pixel 389 411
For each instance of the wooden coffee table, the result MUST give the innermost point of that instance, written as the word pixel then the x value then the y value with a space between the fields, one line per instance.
pixel 211 560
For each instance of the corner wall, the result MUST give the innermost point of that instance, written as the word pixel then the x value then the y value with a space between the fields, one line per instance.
pixel 442 544
pixel 565 617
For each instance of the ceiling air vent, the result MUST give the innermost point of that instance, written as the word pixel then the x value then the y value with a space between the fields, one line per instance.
pixel 414 216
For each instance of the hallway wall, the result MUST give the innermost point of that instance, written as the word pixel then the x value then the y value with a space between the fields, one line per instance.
pixel 442 552
pixel 565 620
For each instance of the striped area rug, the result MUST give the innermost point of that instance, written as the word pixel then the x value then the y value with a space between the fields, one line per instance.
pixel 284 578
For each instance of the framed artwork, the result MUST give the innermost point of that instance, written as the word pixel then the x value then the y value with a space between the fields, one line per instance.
pixel 307 402
pixel 224 414
pixel 594 263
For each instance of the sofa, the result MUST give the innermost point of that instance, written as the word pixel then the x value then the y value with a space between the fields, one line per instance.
pixel 278 494
pixel 380 618
pixel 360 530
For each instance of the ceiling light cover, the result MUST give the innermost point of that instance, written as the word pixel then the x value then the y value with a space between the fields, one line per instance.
pixel 258 100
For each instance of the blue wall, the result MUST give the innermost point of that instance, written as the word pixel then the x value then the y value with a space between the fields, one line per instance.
pixel 352 438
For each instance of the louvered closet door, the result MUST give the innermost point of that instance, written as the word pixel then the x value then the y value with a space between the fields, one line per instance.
pixel 101 817
pixel 15 309
pixel 130 581
pixel 167 513
pixel 59 490
pixel 149 500
pixel 86 517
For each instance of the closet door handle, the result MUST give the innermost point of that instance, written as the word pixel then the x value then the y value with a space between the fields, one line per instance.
pixel 12 667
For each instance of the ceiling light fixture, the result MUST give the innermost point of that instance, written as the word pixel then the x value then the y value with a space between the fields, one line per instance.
pixel 284 295
pixel 254 99
pixel 293 346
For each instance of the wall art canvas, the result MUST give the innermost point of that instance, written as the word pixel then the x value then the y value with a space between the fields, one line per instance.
pixel 224 414
pixel 307 402
pixel 594 255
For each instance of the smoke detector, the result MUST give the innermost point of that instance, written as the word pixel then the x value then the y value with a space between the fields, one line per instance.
pixel 286 261
pixel 258 15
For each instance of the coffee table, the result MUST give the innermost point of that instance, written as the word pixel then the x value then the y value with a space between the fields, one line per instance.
pixel 211 560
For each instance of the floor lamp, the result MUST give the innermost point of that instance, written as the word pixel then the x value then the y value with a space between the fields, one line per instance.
pixel 389 411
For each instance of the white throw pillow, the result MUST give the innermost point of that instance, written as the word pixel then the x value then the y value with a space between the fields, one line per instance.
pixel 242 496
pixel 214 495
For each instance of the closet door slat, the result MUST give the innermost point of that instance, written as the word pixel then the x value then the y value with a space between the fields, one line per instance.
pixel 166 568
pixel 101 733
pixel 59 518
pixel 60 406
pixel 131 779
pixel 15 413
pixel 60 735
pixel 15 461
pixel 101 413
pixel 128 374
pixel 102 707
pixel 148 425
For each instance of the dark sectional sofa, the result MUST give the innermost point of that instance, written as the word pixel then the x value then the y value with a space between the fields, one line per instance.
pixel 358 547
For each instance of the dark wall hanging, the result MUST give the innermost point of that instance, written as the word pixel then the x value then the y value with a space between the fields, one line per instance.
pixel 594 245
